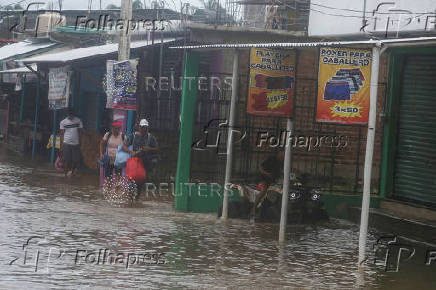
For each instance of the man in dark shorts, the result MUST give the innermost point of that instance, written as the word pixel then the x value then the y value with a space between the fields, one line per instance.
pixel 144 146
pixel 70 128
pixel 269 172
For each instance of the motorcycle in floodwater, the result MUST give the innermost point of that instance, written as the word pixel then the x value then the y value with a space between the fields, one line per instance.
pixel 304 204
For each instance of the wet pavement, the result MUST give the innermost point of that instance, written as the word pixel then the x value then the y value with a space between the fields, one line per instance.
pixel 53 229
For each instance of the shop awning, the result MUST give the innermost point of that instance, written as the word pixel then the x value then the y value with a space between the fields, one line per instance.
pixel 23 69
pixel 86 52
pixel 360 43
pixel 24 48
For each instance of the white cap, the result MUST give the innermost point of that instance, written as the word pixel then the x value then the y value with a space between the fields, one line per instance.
pixel 143 123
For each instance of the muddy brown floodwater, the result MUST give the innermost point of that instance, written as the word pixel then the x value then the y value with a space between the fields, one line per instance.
pixel 53 229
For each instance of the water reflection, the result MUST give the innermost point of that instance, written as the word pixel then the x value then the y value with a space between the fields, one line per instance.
pixel 199 251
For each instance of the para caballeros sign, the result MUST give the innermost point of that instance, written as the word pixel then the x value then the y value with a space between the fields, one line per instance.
pixel 272 82
pixel 343 85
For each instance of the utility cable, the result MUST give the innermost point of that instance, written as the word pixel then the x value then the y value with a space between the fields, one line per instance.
pixel 367 12
pixel 353 16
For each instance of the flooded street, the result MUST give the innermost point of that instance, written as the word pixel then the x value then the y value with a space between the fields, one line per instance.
pixel 52 230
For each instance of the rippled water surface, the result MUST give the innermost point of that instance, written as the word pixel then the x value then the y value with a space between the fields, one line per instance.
pixel 49 219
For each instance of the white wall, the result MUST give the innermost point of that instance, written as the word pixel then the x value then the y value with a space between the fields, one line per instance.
pixel 381 16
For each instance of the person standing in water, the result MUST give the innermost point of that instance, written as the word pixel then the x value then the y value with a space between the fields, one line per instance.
pixel 70 128
pixel 145 147
pixel 269 172
pixel 109 145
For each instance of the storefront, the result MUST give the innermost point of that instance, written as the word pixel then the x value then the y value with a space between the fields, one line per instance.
pixel 87 71
pixel 403 165
pixel 18 87
pixel 337 169
pixel 409 155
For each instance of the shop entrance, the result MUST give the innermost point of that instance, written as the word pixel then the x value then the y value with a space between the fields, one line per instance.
pixel 415 164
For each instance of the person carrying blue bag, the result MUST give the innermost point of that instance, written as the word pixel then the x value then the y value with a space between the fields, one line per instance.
pixel 109 146
pixel 121 158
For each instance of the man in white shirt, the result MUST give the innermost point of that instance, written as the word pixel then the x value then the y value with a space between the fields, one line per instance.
pixel 70 129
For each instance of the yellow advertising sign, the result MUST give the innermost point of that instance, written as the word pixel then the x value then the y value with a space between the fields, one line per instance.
pixel 343 85
pixel 272 82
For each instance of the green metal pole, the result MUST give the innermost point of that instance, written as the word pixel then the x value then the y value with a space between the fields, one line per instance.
pixel 99 111
pixel 189 99
pixel 35 125
pixel 73 87
pixel 53 148
pixel 23 93
pixel 129 122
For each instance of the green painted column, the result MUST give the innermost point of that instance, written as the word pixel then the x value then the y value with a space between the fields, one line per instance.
pixel 129 122
pixel 391 124
pixel 23 94
pixel 189 100
pixel 73 89
pixel 35 124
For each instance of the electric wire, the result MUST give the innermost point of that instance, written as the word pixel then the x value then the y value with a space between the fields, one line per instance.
pixel 417 14
pixel 356 16
pixel 366 12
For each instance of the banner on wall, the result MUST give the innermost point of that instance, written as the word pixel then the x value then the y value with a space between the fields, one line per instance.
pixel 59 87
pixel 124 85
pixel 343 85
pixel 272 82
pixel 109 83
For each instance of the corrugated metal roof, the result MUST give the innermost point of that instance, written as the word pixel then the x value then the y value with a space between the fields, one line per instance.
pixel 22 69
pixel 80 53
pixel 278 44
pixel 14 50
pixel 368 43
